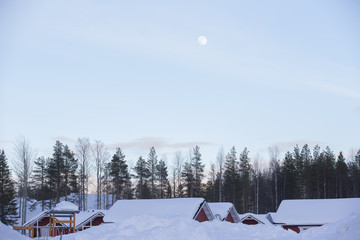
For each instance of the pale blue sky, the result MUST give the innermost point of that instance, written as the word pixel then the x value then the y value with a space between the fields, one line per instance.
pixel 132 74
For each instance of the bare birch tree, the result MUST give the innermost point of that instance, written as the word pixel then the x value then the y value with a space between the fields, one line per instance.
pixel 83 151
pixel 100 155
pixel 275 169
pixel 23 163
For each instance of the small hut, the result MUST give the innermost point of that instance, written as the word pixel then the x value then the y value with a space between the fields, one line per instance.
pixel 251 219
pixel 224 211
pixel 299 215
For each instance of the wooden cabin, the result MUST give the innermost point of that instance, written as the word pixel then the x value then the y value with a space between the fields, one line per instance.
pixel 251 219
pixel 224 211
pixel 299 215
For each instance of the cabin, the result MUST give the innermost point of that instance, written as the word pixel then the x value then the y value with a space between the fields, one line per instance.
pixel 224 211
pixel 251 219
pixel 41 222
pixel 299 215
pixel 192 208
pixel 88 219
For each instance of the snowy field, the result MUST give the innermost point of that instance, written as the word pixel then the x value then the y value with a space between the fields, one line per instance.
pixel 138 226
pixel 151 228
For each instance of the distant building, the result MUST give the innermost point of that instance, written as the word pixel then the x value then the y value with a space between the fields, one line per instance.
pixel 224 211
pixel 195 208
pixel 299 215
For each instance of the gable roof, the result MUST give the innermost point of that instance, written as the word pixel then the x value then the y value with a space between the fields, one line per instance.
pixel 84 218
pixel 252 216
pixel 222 209
pixel 314 211
pixel 39 217
pixel 174 207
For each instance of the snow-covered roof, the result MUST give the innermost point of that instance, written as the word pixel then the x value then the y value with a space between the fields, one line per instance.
pixel 66 206
pixel 175 207
pixel 221 209
pixel 261 218
pixel 35 218
pixel 314 211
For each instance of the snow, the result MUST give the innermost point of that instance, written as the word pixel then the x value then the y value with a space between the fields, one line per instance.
pixel 220 208
pixel 66 206
pixel 176 207
pixel 347 228
pixel 7 233
pixel 260 217
pixel 315 211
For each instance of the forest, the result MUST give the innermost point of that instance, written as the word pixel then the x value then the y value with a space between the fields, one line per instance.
pixel 303 173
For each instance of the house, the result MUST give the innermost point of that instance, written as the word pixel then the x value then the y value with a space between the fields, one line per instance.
pixel 41 222
pixel 224 211
pixel 251 219
pixel 88 219
pixel 195 208
pixel 83 220
pixel 299 215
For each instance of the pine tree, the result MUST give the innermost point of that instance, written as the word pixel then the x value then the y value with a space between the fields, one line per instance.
pixel 188 176
pixel 151 165
pixel 39 178
pixel 8 208
pixel 341 176
pixel 119 172
pixel 289 172
pixel 162 174
pixel 306 173
pixel 198 168
pixel 69 172
pixel 142 173
pixel 56 168
pixel 231 177
pixel 245 169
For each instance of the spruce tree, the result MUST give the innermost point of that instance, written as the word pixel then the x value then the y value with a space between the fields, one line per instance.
pixel 56 168
pixel 198 168
pixel 151 165
pixel 142 173
pixel 162 174
pixel 69 172
pixel 39 179
pixel 245 169
pixel 231 177
pixel 188 176
pixel 119 172
pixel 341 176
pixel 8 208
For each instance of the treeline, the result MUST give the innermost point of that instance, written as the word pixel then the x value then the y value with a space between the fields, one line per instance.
pixel 250 186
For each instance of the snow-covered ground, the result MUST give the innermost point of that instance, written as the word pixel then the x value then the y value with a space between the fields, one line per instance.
pixel 153 228
pixel 142 226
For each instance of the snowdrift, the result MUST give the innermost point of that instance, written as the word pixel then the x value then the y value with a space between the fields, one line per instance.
pixel 7 233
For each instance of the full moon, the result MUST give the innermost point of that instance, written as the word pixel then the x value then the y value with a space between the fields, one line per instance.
pixel 202 40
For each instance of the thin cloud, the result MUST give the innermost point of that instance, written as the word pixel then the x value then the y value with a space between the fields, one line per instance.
pixel 156 142
pixel 357 109
pixel 64 139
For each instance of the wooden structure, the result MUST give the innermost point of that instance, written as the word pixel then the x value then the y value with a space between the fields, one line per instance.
pixel 250 219
pixel 225 211
pixel 54 222
pixel 89 219
pixel 301 214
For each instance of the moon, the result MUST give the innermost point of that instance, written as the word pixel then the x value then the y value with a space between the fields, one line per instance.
pixel 202 40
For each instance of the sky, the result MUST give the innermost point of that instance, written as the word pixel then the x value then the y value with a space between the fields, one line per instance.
pixel 133 75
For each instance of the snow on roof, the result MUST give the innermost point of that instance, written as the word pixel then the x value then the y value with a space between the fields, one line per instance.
pixel 84 217
pixel 314 211
pixel 66 206
pixel 259 217
pixel 175 207
pixel 220 208
pixel 35 218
